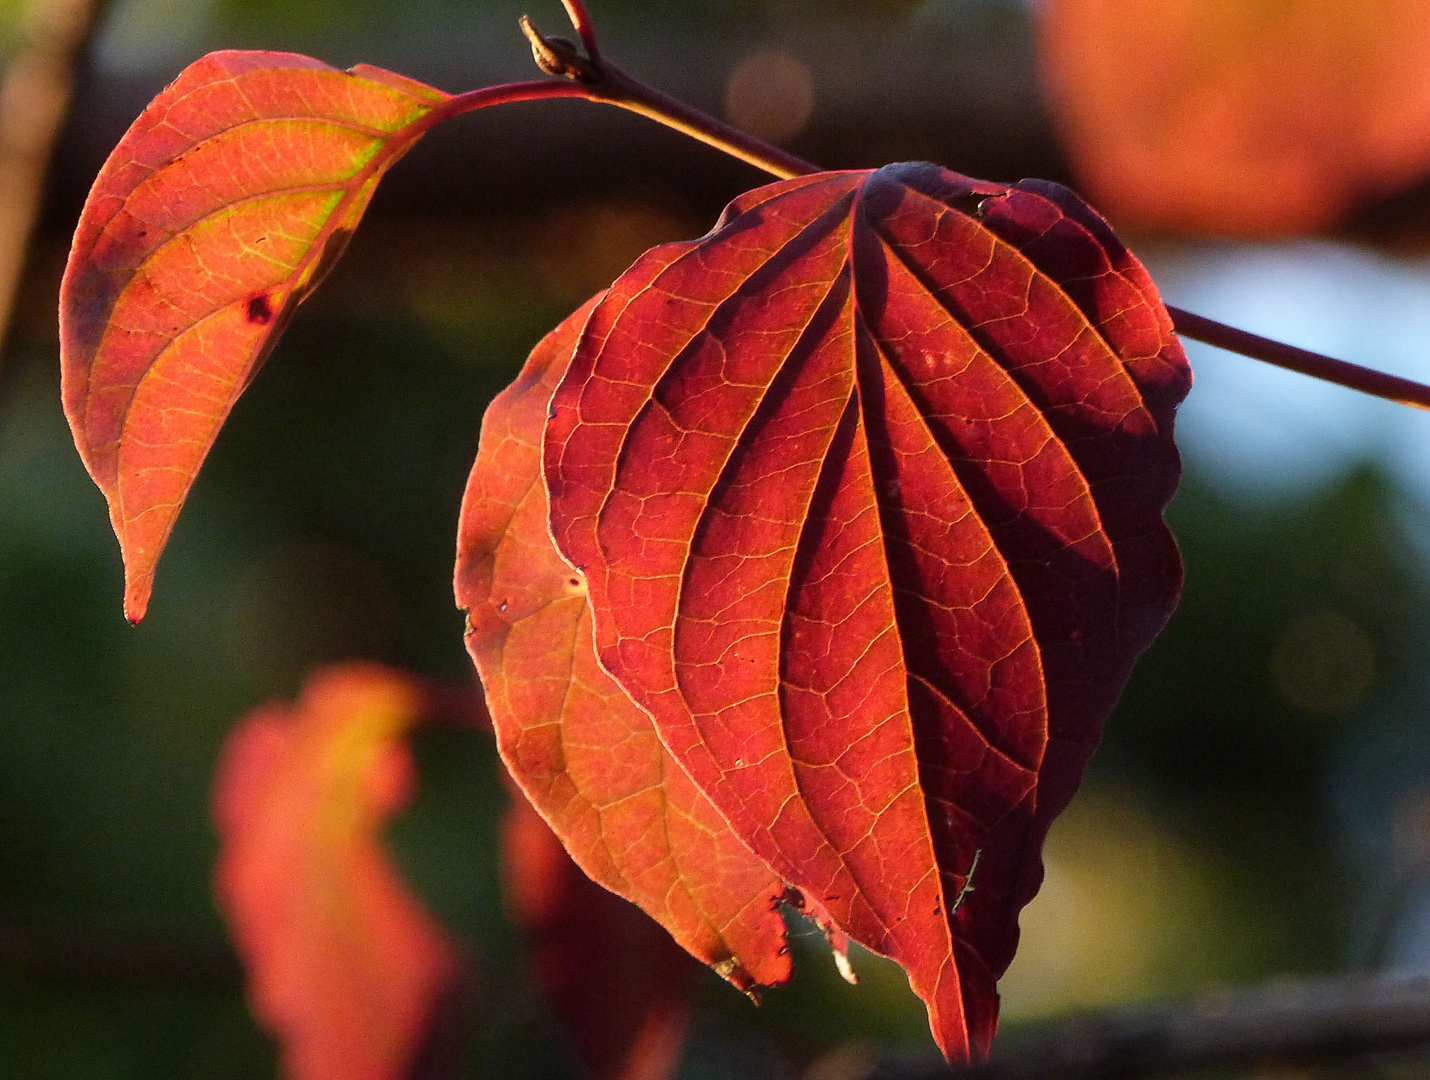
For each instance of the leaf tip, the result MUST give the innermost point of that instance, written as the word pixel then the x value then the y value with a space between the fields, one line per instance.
pixel 137 589
pixel 735 974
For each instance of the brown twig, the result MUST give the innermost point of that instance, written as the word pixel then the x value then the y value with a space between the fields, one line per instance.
pixel 1314 1020
pixel 34 98
pixel 604 82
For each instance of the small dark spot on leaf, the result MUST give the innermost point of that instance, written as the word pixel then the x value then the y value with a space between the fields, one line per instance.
pixel 259 311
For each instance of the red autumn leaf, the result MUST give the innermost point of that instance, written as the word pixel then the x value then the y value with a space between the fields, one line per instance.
pixel 345 967
pixel 219 211
pixel 616 981
pixel 1258 117
pixel 866 486
pixel 585 756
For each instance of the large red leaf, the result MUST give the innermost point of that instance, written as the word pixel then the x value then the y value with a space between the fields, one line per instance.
pixel 616 981
pixel 218 212
pixel 585 756
pixel 1257 116
pixel 867 488
pixel 345 967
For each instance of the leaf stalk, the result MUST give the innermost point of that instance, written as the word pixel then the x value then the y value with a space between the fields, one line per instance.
pixel 604 82
pixel 1326 368
pixel 584 27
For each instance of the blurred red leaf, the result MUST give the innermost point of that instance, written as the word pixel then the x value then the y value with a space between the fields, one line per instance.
pixel 615 980
pixel 345 966
pixel 586 757
pixel 219 211
pixel 1261 117
pixel 867 489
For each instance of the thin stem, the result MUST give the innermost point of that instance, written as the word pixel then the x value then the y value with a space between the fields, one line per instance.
pixel 585 28
pixel 1343 373
pixel 603 82
pixel 621 90
pixel 507 94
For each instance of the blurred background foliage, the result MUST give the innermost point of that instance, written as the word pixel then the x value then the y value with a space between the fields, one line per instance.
pixel 1261 805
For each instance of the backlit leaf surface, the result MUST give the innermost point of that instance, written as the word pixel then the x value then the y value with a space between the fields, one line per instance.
pixel 345 967
pixel 1260 116
pixel 867 487
pixel 586 757
pixel 218 212
pixel 616 981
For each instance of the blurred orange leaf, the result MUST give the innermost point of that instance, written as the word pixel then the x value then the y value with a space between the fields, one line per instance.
pixel 1255 116
pixel 345 966
pixel 615 980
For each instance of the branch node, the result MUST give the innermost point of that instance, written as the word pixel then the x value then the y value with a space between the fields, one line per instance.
pixel 559 57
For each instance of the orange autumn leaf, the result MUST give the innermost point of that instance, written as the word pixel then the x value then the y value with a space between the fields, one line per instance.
pixel 1255 116
pixel 219 211
pixel 345 967
pixel 586 757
